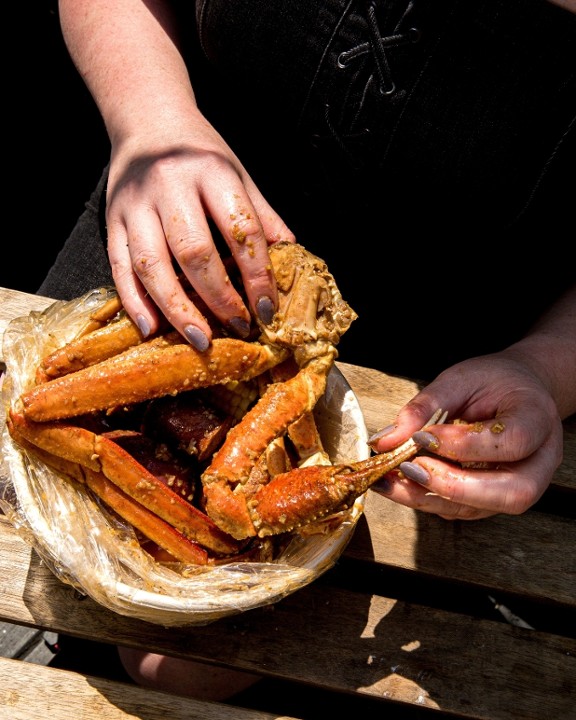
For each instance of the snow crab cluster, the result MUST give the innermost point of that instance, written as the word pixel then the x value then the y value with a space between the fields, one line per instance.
pixel 142 423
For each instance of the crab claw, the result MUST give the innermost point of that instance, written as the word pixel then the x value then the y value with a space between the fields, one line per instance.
pixel 300 496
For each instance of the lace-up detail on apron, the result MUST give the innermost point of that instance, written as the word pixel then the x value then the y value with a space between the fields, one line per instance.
pixel 378 45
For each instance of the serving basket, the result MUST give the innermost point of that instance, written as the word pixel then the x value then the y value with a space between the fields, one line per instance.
pixel 91 549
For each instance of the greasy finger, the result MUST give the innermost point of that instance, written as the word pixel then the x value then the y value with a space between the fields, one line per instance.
pixel 403 491
pixel 503 439
pixel 151 263
pixel 509 488
pixel 274 228
pixel 243 232
pixel 192 245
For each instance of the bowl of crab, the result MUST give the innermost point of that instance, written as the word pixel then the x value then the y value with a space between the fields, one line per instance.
pixel 181 487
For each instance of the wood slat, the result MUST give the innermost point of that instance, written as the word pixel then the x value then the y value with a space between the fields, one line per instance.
pixel 524 555
pixel 335 639
pixel 42 692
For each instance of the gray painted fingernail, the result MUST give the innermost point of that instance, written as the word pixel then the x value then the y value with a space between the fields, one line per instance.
pixel 143 325
pixel 426 440
pixel 196 338
pixel 373 439
pixel 265 309
pixel 240 326
pixel 414 472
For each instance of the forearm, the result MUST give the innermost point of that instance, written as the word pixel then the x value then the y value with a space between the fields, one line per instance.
pixel 127 54
pixel 550 350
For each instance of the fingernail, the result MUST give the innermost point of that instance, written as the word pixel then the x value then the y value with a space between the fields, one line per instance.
pixel 414 472
pixel 426 440
pixel 265 309
pixel 196 338
pixel 240 326
pixel 373 439
pixel 143 325
pixel 382 487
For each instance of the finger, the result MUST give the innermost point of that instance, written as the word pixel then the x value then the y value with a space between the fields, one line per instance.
pixel 244 234
pixel 403 491
pixel 192 245
pixel 274 228
pixel 508 438
pixel 414 416
pixel 133 294
pixel 509 488
pixel 151 264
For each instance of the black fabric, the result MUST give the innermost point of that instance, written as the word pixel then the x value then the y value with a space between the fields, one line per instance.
pixel 433 170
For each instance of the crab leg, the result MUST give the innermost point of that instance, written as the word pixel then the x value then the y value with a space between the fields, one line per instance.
pixel 101 455
pixel 146 372
pixel 311 493
pixel 89 349
pixel 149 524
pixel 282 404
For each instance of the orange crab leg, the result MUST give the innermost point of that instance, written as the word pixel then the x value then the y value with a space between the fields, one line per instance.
pixel 150 525
pixel 89 349
pixel 281 404
pixel 102 455
pixel 307 494
pixel 300 496
pixel 154 528
pixel 279 407
pixel 148 372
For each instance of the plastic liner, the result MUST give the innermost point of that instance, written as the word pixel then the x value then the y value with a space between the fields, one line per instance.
pixel 89 548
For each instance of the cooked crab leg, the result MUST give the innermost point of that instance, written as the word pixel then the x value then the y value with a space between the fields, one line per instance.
pixel 146 372
pixel 149 524
pixel 295 498
pixel 90 348
pixel 101 455
pixel 300 496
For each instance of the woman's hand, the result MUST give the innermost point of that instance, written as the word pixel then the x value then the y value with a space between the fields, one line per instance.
pixel 160 196
pixel 170 174
pixel 498 458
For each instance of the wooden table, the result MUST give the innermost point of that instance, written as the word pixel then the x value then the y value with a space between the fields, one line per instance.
pixel 414 620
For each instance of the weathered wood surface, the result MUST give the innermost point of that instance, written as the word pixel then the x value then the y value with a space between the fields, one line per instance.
pixel 402 617
pixel 65 695
pixel 385 648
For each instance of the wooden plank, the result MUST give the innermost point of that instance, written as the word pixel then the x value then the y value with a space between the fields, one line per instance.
pixel 30 692
pixel 386 650
pixel 524 554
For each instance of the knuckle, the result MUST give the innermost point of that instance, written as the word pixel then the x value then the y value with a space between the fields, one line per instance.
pixel 193 251
pixel 145 264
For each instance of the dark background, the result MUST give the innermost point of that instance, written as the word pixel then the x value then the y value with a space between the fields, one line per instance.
pixel 57 144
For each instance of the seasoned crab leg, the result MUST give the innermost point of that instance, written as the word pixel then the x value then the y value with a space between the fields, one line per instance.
pixel 89 349
pixel 100 454
pixel 150 525
pixel 300 496
pixel 165 366
pixel 297 497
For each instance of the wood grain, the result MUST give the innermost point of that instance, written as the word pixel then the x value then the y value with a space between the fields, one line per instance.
pixel 41 692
